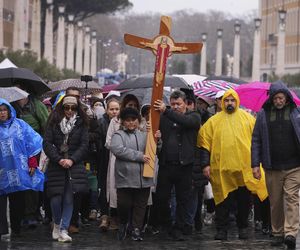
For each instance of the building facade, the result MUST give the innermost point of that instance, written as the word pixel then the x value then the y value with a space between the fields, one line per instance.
pixel 270 30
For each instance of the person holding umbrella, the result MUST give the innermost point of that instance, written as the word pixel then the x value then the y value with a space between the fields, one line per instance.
pixel 19 146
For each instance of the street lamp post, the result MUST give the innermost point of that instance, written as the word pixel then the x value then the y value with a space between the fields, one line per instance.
pixel 203 55
pixel 218 70
pixel 60 45
pixel 48 37
pixel 280 57
pixel 70 43
pixel 236 52
pixel 256 51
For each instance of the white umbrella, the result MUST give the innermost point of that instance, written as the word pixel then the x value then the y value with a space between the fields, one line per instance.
pixel 12 94
pixel 6 63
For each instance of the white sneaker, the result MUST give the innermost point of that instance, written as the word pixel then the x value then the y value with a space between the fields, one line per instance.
pixel 208 219
pixel 64 237
pixel 55 232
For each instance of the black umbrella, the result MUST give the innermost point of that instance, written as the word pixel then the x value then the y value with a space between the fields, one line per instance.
pixel 33 83
pixel 227 79
pixel 146 81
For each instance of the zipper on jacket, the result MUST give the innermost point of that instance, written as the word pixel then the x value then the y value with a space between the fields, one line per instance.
pixel 137 147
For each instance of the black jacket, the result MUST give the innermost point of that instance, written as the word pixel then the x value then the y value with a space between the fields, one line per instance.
pixel 78 143
pixel 103 151
pixel 260 147
pixel 189 124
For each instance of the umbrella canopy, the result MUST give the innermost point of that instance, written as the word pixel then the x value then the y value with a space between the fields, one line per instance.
pixel 146 81
pixel 6 63
pixel 227 79
pixel 192 79
pixel 12 94
pixel 254 95
pixel 64 84
pixel 209 88
pixel 144 95
pixel 12 76
pixel 109 87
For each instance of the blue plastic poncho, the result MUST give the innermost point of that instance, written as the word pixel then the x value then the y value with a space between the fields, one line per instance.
pixel 18 142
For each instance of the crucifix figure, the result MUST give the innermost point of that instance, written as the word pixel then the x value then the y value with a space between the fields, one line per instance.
pixel 162 46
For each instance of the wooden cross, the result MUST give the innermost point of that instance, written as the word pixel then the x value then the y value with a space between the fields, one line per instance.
pixel 162 46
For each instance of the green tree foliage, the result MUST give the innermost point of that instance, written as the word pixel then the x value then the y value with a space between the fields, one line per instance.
pixel 87 8
pixel 45 70
pixel 292 80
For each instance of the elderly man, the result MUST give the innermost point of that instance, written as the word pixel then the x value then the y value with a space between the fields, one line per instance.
pixel 275 144
pixel 225 141
pixel 179 127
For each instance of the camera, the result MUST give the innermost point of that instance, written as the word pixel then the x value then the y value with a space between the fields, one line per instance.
pixel 86 78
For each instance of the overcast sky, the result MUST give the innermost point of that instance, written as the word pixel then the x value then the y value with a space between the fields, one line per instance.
pixel 167 6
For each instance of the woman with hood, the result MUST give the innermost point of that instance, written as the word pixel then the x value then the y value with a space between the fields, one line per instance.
pixel 19 145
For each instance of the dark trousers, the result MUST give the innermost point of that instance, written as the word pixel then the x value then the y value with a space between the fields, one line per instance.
pixel 262 211
pixel 31 204
pixel 181 178
pixel 16 210
pixel 77 201
pixel 242 198
pixel 132 200
pixel 104 206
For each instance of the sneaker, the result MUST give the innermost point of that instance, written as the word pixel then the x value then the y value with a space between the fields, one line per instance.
pixel 122 231
pixel 85 222
pixel 257 226
pixel 104 223
pixel 136 235
pixel 243 234
pixel 208 219
pixel 55 231
pixel 93 214
pixel 32 224
pixel 277 241
pixel 153 230
pixel 290 242
pixel 64 236
pixel 73 229
pixel 221 235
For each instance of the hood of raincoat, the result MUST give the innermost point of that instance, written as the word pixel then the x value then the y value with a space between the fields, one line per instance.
pixel 227 137
pixel 235 96
pixel 278 87
pixel 11 110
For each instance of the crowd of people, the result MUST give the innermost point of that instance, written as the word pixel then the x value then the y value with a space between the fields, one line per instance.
pixel 213 156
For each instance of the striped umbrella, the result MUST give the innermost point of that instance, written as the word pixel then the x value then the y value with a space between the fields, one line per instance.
pixel 209 88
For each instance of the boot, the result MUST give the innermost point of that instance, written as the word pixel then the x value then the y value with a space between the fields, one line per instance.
pixel 104 223
pixel 221 235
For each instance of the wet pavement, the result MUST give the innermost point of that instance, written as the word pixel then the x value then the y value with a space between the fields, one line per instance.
pixel 91 238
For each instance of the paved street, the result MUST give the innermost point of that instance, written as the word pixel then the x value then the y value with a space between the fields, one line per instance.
pixel 91 238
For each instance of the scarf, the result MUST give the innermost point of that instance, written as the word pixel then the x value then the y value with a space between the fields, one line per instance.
pixel 66 126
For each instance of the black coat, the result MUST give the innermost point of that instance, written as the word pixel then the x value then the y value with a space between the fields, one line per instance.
pixel 78 148
pixel 189 124
pixel 103 151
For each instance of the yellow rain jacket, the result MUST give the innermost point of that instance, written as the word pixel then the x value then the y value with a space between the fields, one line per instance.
pixel 228 139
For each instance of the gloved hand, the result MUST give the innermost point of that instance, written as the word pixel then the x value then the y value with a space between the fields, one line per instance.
pixel 32 164
pixel 199 180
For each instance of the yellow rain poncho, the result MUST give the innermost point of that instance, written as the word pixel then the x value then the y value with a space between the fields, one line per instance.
pixel 228 139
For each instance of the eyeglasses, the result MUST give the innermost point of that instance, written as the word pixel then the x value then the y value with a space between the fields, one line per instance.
pixel 67 108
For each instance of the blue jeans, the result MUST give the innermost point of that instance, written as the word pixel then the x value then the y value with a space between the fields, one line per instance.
pixel 194 205
pixel 62 207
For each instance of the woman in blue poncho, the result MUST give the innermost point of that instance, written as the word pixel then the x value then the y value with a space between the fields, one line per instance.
pixel 19 145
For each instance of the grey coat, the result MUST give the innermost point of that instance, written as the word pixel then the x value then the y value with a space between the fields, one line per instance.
pixel 260 148
pixel 129 147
